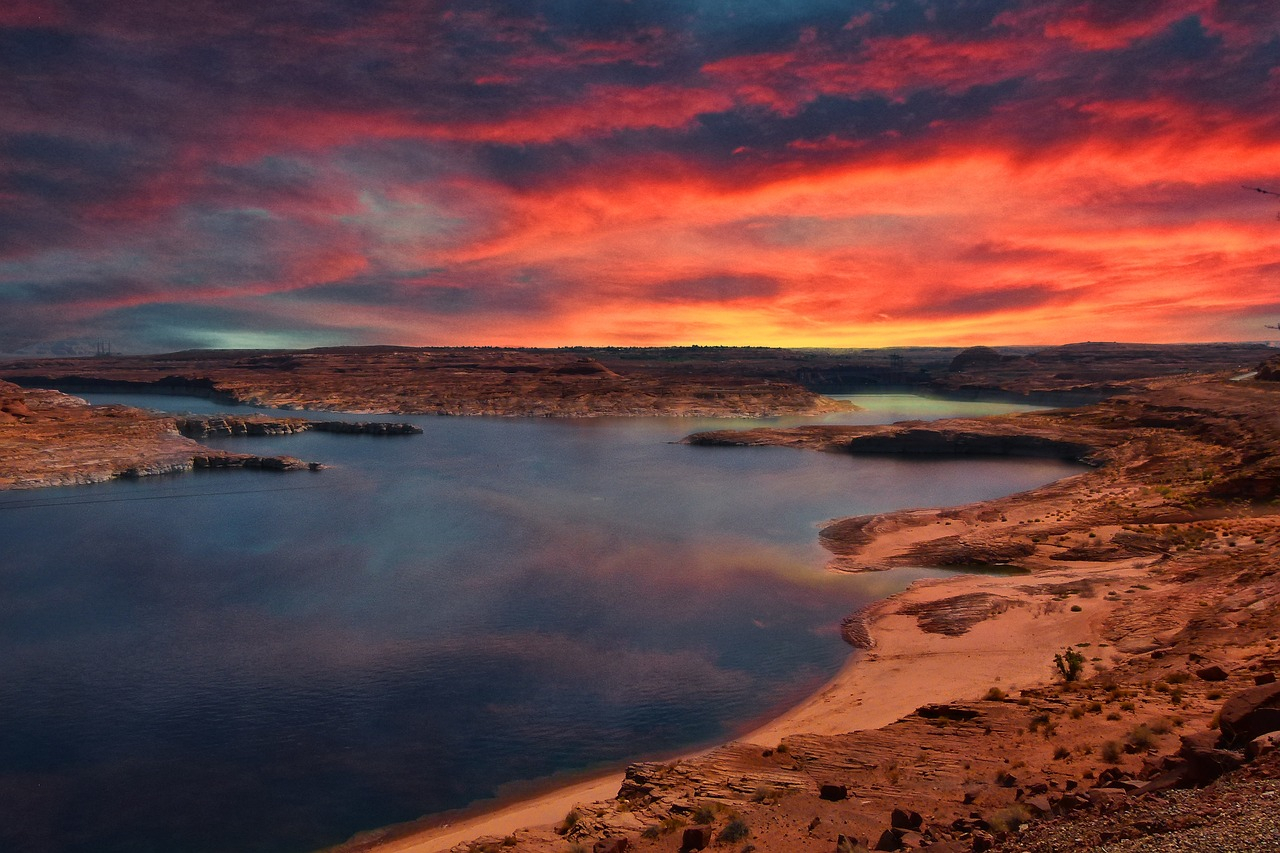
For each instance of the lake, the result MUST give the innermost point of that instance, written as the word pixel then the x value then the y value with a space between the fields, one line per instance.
pixel 250 661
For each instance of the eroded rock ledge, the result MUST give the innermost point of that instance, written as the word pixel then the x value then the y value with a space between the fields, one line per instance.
pixel 1161 456
pixel 205 426
pixel 52 439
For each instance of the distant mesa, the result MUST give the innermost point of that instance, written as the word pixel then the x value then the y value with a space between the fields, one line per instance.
pixel 1269 370
pixel 978 358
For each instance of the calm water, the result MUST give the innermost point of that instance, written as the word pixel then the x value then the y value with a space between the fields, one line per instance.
pixel 244 661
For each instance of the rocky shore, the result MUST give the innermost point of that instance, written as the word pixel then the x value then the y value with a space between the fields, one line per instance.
pixel 205 426
pixel 48 438
pixel 52 439
pixel 1080 699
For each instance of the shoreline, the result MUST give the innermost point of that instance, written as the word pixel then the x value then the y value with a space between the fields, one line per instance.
pixel 1146 526
pixel 1014 643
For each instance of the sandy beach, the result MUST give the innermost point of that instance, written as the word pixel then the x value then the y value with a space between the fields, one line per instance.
pixel 907 668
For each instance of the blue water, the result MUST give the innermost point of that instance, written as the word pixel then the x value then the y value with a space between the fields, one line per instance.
pixel 249 661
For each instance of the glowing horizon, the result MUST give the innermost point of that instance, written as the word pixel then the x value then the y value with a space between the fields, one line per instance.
pixel 807 173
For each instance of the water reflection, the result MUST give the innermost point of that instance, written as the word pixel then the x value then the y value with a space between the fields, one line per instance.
pixel 253 661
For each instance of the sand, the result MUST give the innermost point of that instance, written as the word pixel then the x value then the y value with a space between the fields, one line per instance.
pixel 906 669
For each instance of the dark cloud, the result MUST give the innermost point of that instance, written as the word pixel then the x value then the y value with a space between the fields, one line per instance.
pixel 323 150
pixel 1016 298
pixel 716 288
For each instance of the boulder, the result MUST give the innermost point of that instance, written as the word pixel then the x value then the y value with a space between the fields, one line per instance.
pixel 834 793
pixel 906 819
pixel 1262 744
pixel 889 840
pixel 1038 804
pixel 1204 760
pixel 1212 673
pixel 695 838
pixel 983 841
pixel 1107 799
pixel 1248 714
pixel 1264 678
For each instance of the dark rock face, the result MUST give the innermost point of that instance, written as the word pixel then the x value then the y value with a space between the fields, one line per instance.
pixel 610 845
pixel 906 819
pixel 1212 673
pixel 203 426
pixel 1269 370
pixel 695 838
pixel 935 441
pixel 834 793
pixel 889 840
pixel 1249 714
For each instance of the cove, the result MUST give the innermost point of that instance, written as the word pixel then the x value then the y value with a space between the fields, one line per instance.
pixel 251 661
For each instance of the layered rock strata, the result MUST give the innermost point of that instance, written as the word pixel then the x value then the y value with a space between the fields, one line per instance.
pixel 52 439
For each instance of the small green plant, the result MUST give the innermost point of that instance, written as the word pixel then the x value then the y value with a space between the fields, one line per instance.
pixel 704 814
pixel 569 822
pixel 765 793
pixel 1070 663
pixel 995 694
pixel 1110 751
pixel 735 830
pixel 1010 818
pixel 1076 608
pixel 1142 737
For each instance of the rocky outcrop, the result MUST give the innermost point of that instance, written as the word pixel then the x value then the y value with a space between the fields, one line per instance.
pixel 54 439
pixel 955 615
pixel 941 441
pixel 957 437
pixel 1269 370
pixel 1249 714
pixel 205 426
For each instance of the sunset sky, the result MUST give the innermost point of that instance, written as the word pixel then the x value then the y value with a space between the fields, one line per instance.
pixel 546 172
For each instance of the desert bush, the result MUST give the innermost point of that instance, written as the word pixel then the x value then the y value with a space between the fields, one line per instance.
pixel 995 694
pixel 1111 751
pixel 1008 819
pixel 1141 737
pixel 1061 752
pixel 569 822
pixel 735 830
pixel 1070 663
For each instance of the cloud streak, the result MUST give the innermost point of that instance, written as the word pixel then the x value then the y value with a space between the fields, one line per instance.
pixel 808 173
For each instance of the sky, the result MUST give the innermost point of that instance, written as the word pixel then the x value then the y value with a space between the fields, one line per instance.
pixel 288 173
